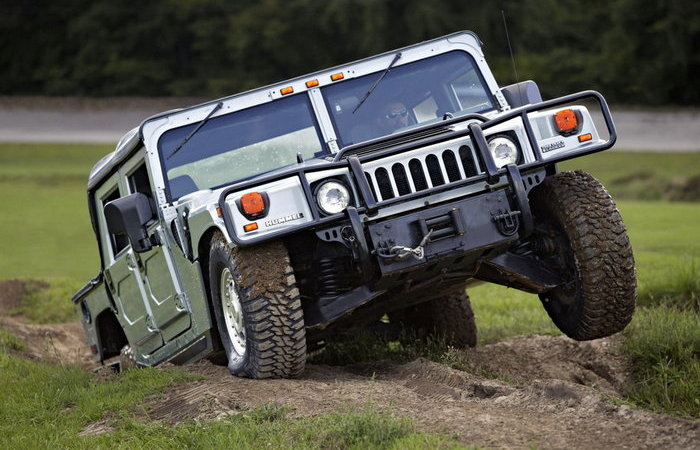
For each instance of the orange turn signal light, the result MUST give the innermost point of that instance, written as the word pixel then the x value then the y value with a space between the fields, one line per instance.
pixel 253 203
pixel 250 227
pixel 565 121
pixel 585 137
pixel 311 83
pixel 337 76
pixel 286 90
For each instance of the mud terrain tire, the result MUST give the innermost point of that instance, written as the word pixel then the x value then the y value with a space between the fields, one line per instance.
pixel 448 315
pixel 592 252
pixel 264 335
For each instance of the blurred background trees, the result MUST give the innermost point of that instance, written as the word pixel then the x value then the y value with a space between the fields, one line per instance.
pixel 634 51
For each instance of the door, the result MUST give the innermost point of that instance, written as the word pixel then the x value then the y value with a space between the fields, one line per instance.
pixel 146 285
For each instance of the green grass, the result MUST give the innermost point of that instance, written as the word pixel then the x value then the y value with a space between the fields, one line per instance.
pixel 502 313
pixel 47 302
pixel 644 176
pixel 367 429
pixel 9 341
pixel 46 405
pixel 45 226
pixel 663 345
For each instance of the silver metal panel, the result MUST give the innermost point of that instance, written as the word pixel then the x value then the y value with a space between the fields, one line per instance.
pixel 288 208
pixel 552 143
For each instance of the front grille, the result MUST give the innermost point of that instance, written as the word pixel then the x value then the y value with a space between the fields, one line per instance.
pixel 423 169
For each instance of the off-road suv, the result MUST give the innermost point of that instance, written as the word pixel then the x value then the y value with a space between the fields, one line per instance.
pixel 262 223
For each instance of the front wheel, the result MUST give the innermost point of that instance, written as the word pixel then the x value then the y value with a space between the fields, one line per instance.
pixel 257 309
pixel 588 245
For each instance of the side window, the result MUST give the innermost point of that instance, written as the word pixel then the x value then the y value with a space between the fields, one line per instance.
pixel 138 181
pixel 118 241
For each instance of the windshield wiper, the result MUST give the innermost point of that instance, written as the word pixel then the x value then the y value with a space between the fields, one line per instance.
pixel 381 77
pixel 201 124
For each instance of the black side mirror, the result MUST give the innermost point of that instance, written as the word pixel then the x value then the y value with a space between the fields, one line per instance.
pixel 521 94
pixel 131 215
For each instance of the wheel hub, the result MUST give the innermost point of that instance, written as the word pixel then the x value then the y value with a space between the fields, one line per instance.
pixel 233 312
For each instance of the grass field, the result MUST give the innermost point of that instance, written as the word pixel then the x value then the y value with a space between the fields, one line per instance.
pixel 46 235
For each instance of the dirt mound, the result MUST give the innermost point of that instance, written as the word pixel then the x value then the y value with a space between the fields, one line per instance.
pixel 597 364
pixel 62 343
pixel 13 291
pixel 545 407
pixel 56 343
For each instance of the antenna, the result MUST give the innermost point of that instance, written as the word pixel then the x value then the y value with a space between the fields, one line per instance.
pixel 510 49
pixel 512 58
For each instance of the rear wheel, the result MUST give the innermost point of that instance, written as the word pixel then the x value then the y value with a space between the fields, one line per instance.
pixel 448 315
pixel 257 309
pixel 586 242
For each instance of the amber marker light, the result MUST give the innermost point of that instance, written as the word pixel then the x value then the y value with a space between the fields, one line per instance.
pixel 585 137
pixel 250 227
pixel 311 83
pixel 565 121
pixel 337 76
pixel 286 90
pixel 253 203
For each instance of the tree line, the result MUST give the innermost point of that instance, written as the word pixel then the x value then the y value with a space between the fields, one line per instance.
pixel 633 51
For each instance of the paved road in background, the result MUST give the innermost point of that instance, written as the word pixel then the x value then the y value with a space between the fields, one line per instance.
pixel 105 121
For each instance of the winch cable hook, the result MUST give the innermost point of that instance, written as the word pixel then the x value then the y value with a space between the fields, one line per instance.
pixel 400 252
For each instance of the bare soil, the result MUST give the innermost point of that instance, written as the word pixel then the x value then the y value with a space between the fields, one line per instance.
pixel 550 392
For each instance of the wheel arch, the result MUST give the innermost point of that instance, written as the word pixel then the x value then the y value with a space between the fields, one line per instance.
pixel 203 257
pixel 110 334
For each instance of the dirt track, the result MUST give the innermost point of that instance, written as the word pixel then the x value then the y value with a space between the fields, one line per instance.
pixel 548 391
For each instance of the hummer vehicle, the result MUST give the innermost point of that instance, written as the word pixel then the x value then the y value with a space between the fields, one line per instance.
pixel 262 224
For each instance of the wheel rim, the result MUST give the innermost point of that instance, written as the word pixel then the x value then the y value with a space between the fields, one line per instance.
pixel 233 312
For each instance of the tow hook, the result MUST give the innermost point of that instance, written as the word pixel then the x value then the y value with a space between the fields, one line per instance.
pixel 400 252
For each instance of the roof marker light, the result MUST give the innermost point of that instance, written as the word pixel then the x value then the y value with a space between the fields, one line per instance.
pixel 286 90
pixel 337 76
pixel 311 83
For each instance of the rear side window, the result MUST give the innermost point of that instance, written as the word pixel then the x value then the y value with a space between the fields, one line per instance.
pixel 117 241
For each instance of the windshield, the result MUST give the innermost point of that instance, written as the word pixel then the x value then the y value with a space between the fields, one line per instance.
pixel 408 96
pixel 240 145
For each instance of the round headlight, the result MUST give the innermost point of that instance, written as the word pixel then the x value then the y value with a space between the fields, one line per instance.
pixel 504 151
pixel 332 197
